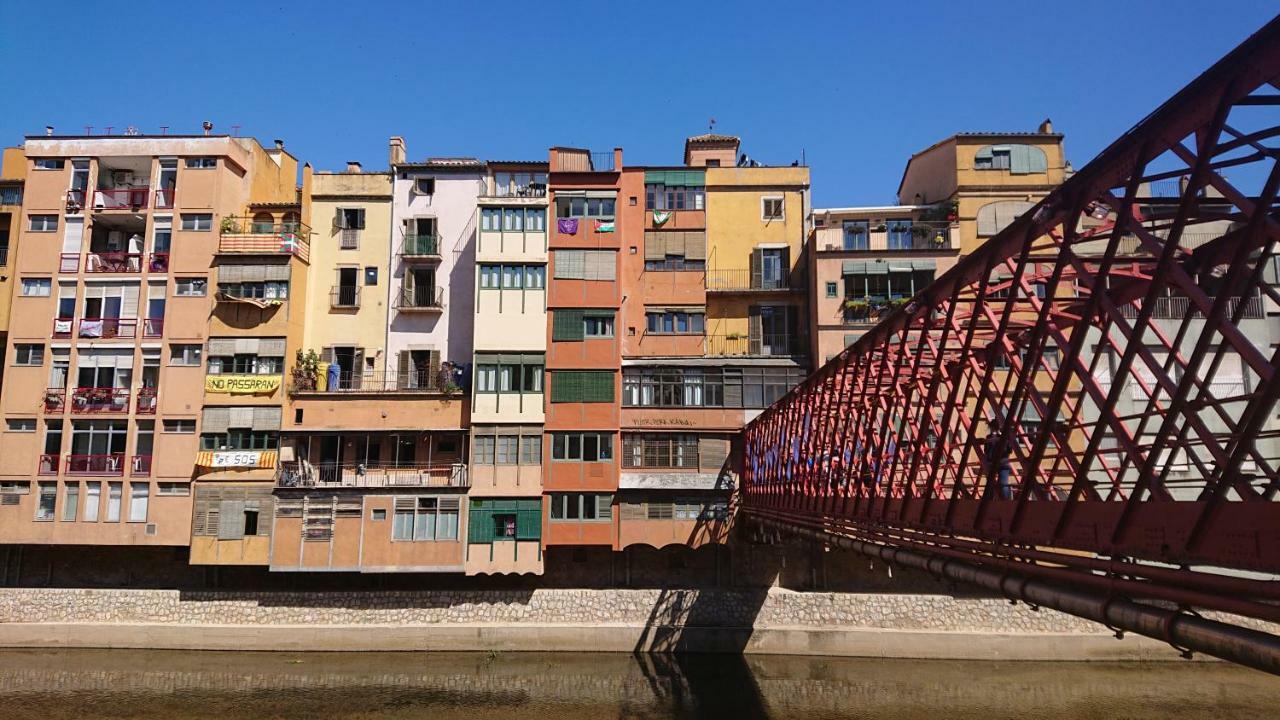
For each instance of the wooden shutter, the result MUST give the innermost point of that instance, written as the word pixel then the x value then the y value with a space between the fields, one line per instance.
pixel 403 368
pixel 567 325
pixel 566 386
pixel 360 219
pixel 326 355
pixel 604 507
pixel 655 247
pixel 339 219
pixel 433 367
pixel 357 367
pixel 231 520
pixel 695 245
pixel 712 453
pixel 480 523
pixel 757 267
pixel 755 330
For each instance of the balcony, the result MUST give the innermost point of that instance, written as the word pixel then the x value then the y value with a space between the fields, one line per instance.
pixel 69 262
pixel 75 201
pixel 152 327
pixel 374 382
pixel 159 263
pixel 146 401
pixel 164 199
pixel 768 345
pixel 93 400
pixel 428 300
pixel 869 310
pixel 1177 308
pixel 420 248
pixel 745 281
pixel 11 195
pixel 108 328
pixel 49 463
pixel 242 236
pixel 140 466
pixel 344 297
pixel 131 198
pixel 919 236
pixel 354 475
pixel 55 401
pixel 111 464
pixel 113 262
pixel 581 161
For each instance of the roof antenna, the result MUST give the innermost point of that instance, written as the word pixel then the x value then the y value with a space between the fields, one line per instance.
pixel 235 130
pixel 711 128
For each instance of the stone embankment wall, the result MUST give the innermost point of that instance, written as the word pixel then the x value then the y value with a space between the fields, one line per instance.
pixel 662 608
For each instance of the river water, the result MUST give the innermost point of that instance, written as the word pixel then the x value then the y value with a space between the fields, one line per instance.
pixel 165 685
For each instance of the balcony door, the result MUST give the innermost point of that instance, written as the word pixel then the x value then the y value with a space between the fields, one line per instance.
pixel 769 268
pixel 98 438
pixel 772 330
pixel 420 287
pixel 348 286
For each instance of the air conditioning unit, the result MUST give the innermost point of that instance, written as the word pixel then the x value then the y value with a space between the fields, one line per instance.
pixel 829 246
pixel 150 529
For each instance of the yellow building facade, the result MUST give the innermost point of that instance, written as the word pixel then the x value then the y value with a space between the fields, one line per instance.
pixel 13 168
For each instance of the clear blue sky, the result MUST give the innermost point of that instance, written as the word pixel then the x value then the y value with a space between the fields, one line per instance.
pixel 858 89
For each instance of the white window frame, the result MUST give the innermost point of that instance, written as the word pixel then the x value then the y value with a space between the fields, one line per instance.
pixel 21 425
pixel 200 163
pixel 44 225
pixel 189 283
pixel 764 204
pixel 195 222
pixel 30 349
pixel 186 356
pixel 49 163
pixel 42 286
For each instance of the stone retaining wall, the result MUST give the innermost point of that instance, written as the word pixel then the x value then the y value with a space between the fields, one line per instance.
pixel 638 608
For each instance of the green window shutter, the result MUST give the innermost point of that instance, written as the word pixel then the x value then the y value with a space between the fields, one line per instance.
pixel 480 523
pixel 598 387
pixel 529 520
pixel 566 325
pixel 566 386
pixel 1019 159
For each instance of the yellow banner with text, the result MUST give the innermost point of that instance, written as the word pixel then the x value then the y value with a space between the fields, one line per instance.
pixel 242 384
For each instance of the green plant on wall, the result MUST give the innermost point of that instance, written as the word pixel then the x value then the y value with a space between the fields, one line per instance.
pixel 306 370
pixel 229 225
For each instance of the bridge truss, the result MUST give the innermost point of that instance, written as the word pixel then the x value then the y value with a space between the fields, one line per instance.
pixel 1116 350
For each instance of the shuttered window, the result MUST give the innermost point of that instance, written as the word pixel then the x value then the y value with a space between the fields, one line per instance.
pixel 496 520
pixel 581 506
pixel 426 519
pixel 566 325
pixel 996 216
pixel 586 386
pixel 585 264
pixel 232 513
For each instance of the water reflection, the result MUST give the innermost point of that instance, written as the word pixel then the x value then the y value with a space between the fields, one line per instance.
pixel 161 685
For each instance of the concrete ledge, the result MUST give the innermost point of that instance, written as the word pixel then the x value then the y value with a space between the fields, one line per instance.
pixel 839 642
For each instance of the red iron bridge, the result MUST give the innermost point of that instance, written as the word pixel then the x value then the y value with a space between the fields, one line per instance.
pixel 1082 414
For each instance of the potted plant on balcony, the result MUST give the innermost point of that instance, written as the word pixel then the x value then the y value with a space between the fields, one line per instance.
pixel 306 371
pixel 735 336
pixel 921 231
pixel 229 225
pixel 881 228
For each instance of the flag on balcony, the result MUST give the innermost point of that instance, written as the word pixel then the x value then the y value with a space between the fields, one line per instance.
pixel 289 243
pixel 660 217
pixel 567 226
pixel 604 227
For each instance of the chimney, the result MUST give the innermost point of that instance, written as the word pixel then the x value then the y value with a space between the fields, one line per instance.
pixel 397 151
pixel 280 145
pixel 208 127
pixel 48 130
pixel 1046 127
pixel 353 166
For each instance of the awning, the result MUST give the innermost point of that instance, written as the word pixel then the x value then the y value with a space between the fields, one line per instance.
pixel 675 178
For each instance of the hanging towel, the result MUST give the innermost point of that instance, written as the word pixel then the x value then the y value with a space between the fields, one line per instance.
pixel 603 227
pixel 91 328
pixel 62 327
pixel 567 226
pixel 660 217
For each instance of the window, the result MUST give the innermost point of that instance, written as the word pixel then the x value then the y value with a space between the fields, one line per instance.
pixel 47 501
pixel 660 451
pixel 113 501
pixel 1018 159
pixel 581 506
pixel 15 487
pixel 21 425
pixel 582 446
pixel 513 277
pixel 50 163
pixel 585 207
pixel 92 500
pixel 772 208
pixel 675 250
pixel 514 373
pixel 676 322
pixel 996 216
pixel 585 264
pixel 728 387
pixel 425 519
pixel 662 197
pixel 180 426
pixel 268 290
pixel 191 287
pixel 245 365
pixel 424 186
pixel 239 439
pixel 833 289
pixel 571 325
pixel 586 386
pixel 197 221
pixel 28 354
pixel 185 354
pixel 36 287
pixel 173 489
pixel 531 449
pixel 139 497
pixel 349 218
pixel 201 163
pixel 42 223
pixel 856 234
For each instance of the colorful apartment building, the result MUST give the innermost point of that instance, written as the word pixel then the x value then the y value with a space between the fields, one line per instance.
pixel 111 314
pixel 13 168
pixel 867 261
pixel 985 179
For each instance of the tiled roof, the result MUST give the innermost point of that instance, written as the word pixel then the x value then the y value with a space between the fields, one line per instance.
pixel 985 133
pixel 712 138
